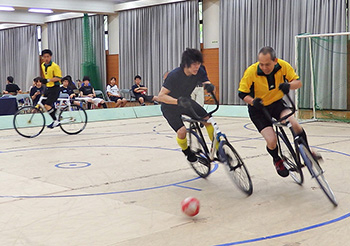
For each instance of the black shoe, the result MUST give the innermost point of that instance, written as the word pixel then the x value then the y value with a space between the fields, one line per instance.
pixel 155 103
pixel 191 157
pixel 281 169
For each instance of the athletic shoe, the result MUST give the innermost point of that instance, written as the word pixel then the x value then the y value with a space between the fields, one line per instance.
pixel 54 124
pixel 143 104
pixel 155 103
pixel 281 169
pixel 191 157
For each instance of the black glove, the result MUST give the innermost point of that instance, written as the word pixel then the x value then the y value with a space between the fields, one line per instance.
pixel 184 102
pixel 43 81
pixel 257 103
pixel 209 87
pixel 284 87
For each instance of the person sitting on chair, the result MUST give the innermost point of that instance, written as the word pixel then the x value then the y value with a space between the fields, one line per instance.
pixel 37 90
pixel 114 94
pixel 140 92
pixel 11 88
pixel 88 93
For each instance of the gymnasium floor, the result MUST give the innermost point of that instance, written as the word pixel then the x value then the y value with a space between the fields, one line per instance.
pixel 121 183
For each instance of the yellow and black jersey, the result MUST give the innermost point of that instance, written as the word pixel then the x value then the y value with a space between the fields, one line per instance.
pixel 259 85
pixel 50 71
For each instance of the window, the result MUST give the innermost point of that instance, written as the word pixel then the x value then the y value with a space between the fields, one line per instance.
pixel 106 31
pixel 38 30
pixel 200 3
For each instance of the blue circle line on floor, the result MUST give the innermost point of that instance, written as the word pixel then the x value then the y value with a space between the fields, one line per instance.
pixel 177 184
pixel 287 233
pixel 73 165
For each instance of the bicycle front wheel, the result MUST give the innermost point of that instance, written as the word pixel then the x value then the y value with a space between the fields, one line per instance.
pixel 235 167
pixel 29 122
pixel 290 160
pixel 202 167
pixel 317 173
pixel 73 119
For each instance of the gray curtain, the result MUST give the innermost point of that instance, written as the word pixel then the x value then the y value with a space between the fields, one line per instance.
pixel 19 56
pixel 248 25
pixel 65 39
pixel 152 39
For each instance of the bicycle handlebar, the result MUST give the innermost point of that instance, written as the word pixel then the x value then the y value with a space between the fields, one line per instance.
pixel 199 118
pixel 293 109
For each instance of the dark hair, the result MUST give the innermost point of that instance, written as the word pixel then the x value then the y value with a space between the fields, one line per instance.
pixel 46 51
pixel 36 79
pixel 65 78
pixel 10 79
pixel 137 77
pixel 86 78
pixel 268 50
pixel 190 56
pixel 113 78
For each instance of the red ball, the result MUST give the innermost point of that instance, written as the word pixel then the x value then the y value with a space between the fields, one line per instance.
pixel 190 206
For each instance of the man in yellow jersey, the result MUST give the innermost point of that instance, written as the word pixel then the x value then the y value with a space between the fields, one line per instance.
pixel 52 77
pixel 263 85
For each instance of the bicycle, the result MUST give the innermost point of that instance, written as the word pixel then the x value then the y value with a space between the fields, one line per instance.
pixel 29 121
pixel 225 153
pixel 291 157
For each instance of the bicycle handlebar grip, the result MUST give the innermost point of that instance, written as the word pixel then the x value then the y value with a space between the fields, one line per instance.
pixel 209 87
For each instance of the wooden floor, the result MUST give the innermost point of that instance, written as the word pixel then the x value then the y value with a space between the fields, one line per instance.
pixel 121 183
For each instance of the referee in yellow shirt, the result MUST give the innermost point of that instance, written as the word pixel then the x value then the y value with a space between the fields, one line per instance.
pixel 263 85
pixel 52 77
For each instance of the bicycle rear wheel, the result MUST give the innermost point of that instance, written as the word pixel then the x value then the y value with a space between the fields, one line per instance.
pixel 317 173
pixel 29 121
pixel 73 119
pixel 202 167
pixel 235 167
pixel 290 159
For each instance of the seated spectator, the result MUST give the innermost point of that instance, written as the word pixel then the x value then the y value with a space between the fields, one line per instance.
pixel 65 88
pixel 87 92
pixel 71 84
pixel 36 91
pixel 114 95
pixel 140 92
pixel 11 88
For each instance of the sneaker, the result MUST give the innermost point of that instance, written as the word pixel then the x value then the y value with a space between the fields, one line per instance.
pixel 317 156
pixel 143 104
pixel 54 124
pixel 191 157
pixel 155 103
pixel 281 169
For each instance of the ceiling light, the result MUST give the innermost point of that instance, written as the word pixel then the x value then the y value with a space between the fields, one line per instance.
pixel 44 11
pixel 6 8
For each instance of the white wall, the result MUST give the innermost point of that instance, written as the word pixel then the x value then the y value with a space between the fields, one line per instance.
pixel 113 34
pixel 211 9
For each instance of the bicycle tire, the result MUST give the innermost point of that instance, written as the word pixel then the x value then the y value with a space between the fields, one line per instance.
pixel 29 121
pixel 235 167
pixel 317 172
pixel 73 119
pixel 203 166
pixel 290 160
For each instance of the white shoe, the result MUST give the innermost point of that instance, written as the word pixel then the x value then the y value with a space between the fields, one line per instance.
pixel 54 124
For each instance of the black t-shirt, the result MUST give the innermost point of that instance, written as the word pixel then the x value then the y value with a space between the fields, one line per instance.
pixel 33 91
pixel 67 90
pixel 180 84
pixel 137 86
pixel 86 90
pixel 13 88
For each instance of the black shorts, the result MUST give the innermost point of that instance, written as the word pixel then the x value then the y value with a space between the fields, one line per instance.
pixel 258 117
pixel 145 97
pixel 52 94
pixel 115 98
pixel 173 113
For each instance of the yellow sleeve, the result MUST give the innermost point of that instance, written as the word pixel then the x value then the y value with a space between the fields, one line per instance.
pixel 246 82
pixel 57 72
pixel 290 73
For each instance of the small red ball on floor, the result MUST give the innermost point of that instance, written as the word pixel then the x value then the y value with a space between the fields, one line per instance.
pixel 190 206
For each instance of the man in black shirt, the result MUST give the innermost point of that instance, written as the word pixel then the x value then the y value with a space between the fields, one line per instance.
pixel 11 88
pixel 179 84
pixel 140 92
